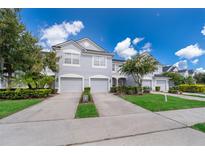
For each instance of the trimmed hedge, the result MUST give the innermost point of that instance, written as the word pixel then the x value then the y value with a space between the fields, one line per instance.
pixel 157 88
pixel 194 88
pixel 25 93
pixel 174 90
pixel 130 90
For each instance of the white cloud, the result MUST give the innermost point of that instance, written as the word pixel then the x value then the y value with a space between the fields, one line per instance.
pixel 124 49
pixel 190 52
pixel 59 33
pixel 146 48
pixel 203 31
pixel 200 70
pixel 181 64
pixel 195 61
pixel 137 40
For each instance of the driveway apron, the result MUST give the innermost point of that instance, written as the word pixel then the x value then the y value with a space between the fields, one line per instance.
pixel 59 107
pixel 111 105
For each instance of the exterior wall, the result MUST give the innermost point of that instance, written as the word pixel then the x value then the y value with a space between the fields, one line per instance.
pixel 85 69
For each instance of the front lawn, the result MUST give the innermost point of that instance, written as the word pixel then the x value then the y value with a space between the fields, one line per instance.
pixel 155 102
pixel 194 95
pixel 200 127
pixel 8 107
pixel 86 110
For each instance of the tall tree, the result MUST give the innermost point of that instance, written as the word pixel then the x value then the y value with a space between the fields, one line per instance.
pixel 138 66
pixel 200 78
pixel 10 30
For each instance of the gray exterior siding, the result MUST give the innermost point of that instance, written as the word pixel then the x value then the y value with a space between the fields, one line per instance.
pixel 85 69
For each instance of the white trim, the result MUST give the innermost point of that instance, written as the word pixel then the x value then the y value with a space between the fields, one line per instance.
pixel 75 65
pixel 69 76
pixel 71 51
pixel 100 77
pixel 93 66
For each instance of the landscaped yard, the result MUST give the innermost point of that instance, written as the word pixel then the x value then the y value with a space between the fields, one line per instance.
pixel 8 107
pixel 200 127
pixel 156 102
pixel 86 110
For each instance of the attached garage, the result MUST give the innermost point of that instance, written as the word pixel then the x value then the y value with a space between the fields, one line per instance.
pixel 70 84
pixel 161 84
pixel 147 83
pixel 99 85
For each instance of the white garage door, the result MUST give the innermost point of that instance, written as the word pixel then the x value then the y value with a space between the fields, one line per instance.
pixel 147 83
pixel 161 84
pixel 99 85
pixel 71 84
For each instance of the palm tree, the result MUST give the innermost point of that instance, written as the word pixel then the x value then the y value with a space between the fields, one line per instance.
pixel 138 66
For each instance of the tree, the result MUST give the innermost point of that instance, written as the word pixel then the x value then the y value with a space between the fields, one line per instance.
pixel 10 30
pixel 200 78
pixel 189 80
pixel 138 66
pixel 176 78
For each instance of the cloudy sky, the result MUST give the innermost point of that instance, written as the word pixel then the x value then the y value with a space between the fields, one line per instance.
pixel 173 36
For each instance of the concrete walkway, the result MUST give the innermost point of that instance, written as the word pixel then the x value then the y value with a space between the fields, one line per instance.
pixel 62 106
pixel 181 96
pixel 111 105
pixel 188 117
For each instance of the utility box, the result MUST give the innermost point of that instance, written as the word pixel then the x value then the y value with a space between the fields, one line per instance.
pixel 85 98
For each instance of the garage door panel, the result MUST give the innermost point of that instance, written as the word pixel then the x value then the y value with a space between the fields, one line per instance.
pixel 99 85
pixel 71 84
pixel 161 84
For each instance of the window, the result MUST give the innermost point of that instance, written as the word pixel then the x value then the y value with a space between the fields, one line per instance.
pixel 99 61
pixel 71 59
pixel 113 67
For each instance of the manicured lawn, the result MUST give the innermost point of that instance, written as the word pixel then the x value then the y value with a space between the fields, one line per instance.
pixel 200 127
pixel 155 102
pixel 86 110
pixel 8 107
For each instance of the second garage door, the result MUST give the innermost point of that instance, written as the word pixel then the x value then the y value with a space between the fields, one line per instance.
pixel 71 84
pixel 99 85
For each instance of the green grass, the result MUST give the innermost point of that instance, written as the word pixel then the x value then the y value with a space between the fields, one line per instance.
pixel 8 107
pixel 200 127
pixel 86 110
pixel 155 102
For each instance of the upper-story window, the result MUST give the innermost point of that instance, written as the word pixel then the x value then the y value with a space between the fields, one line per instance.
pixel 99 61
pixel 71 59
pixel 113 67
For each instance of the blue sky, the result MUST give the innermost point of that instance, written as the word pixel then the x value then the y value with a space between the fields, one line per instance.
pixel 171 35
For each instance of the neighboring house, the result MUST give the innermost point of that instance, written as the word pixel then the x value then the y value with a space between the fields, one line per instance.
pixel 151 80
pixel 175 69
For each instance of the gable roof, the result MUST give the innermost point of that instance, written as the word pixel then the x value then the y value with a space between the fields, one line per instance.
pixel 84 50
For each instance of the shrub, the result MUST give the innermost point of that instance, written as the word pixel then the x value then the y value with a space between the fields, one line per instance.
pixel 87 89
pixel 130 90
pixel 25 93
pixel 113 89
pixel 157 88
pixel 146 89
pixel 173 90
pixel 194 88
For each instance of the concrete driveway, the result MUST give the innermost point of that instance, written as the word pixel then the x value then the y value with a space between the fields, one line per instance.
pixel 122 123
pixel 111 105
pixel 59 107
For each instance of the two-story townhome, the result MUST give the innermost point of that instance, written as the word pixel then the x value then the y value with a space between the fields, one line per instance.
pixel 151 80
pixel 83 64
